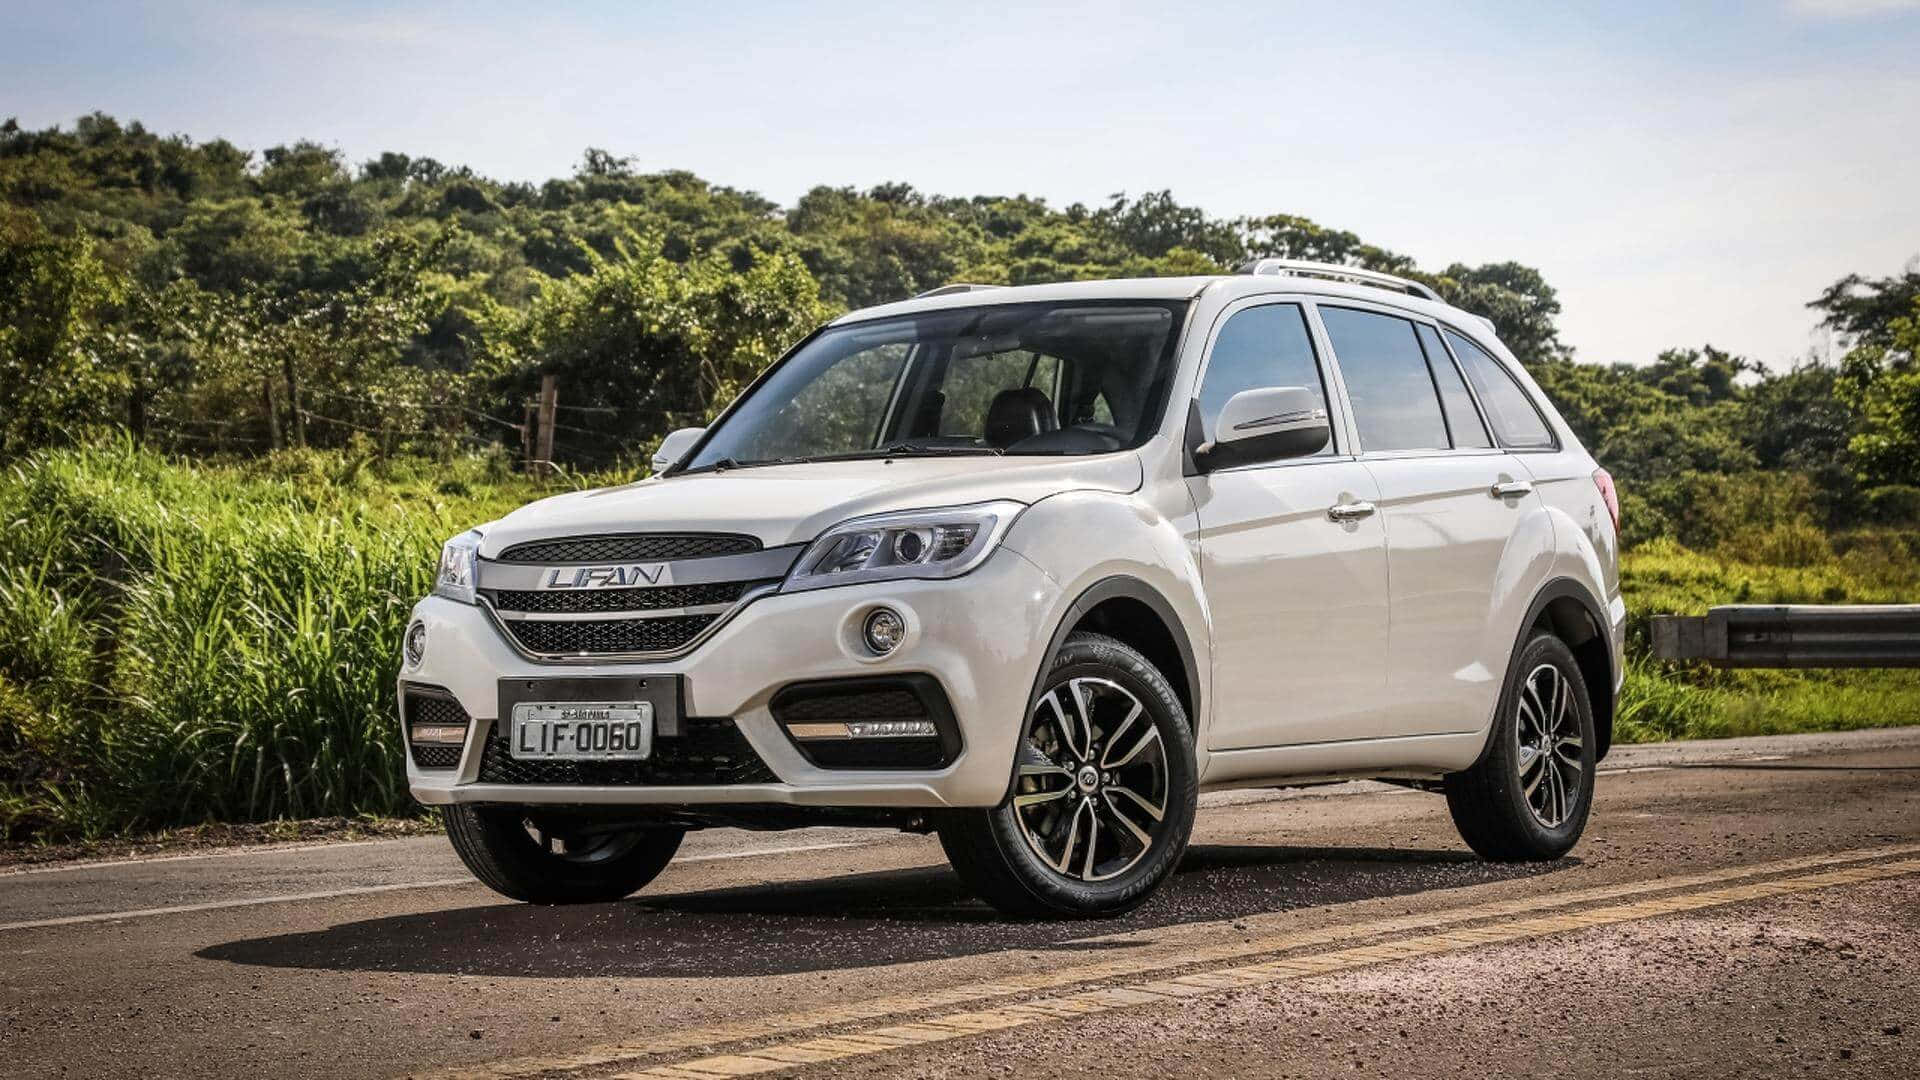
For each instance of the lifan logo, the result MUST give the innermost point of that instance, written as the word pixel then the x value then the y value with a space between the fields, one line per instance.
pixel 606 577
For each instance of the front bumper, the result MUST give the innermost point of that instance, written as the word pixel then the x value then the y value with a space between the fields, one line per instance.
pixel 982 636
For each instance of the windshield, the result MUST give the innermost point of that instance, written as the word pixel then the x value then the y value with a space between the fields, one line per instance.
pixel 1050 378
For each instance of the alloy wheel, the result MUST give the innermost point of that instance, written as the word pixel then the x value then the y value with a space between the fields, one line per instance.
pixel 1092 790
pixel 1550 753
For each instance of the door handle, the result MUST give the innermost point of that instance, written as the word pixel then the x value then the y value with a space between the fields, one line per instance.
pixel 1507 489
pixel 1353 511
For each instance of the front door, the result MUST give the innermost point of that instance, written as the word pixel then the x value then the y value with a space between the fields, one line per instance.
pixel 1293 558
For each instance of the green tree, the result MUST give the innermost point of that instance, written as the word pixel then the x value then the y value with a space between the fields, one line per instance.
pixel 645 343
pixel 1881 382
pixel 55 357
pixel 1863 310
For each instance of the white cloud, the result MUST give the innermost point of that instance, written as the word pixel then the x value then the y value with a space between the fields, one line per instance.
pixel 1850 9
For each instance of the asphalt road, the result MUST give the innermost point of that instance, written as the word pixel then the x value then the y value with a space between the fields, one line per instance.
pixel 1738 908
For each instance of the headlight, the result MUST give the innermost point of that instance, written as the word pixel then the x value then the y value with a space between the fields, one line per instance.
pixel 911 544
pixel 459 568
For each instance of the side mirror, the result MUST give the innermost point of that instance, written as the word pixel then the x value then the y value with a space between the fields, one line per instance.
pixel 674 447
pixel 1267 424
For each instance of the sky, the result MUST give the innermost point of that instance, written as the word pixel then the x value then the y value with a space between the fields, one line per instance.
pixel 1683 173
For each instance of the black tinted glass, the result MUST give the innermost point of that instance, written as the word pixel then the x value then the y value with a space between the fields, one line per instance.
pixel 1394 402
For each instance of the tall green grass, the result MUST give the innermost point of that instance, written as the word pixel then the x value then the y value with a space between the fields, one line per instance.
pixel 182 644
pixel 187 643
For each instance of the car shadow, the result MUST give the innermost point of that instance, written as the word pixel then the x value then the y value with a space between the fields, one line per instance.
pixel 860 920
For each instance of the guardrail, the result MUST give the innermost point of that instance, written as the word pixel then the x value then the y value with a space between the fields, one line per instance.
pixel 1793 636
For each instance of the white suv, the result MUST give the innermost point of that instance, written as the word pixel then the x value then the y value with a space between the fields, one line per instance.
pixel 1032 568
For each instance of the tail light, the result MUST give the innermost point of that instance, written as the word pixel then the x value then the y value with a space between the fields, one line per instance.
pixel 1603 480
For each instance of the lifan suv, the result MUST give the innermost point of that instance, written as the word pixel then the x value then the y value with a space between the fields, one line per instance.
pixel 1032 568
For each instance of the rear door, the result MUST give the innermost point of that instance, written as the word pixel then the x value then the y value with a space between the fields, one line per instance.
pixel 1298 595
pixel 1451 502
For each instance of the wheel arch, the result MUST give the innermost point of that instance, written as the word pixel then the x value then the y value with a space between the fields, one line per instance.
pixel 1132 611
pixel 1568 609
pixel 1135 613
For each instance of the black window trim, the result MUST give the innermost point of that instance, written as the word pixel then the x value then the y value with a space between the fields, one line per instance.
pixel 1526 394
pixel 1479 410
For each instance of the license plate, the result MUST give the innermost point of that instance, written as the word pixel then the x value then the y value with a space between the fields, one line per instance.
pixel 583 730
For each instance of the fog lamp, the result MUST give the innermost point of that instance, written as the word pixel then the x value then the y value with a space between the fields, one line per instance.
pixel 438 734
pixel 883 631
pixel 415 644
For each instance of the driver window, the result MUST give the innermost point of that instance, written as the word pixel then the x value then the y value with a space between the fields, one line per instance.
pixel 1260 347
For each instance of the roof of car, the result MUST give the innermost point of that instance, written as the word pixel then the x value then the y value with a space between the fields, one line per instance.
pixel 1157 288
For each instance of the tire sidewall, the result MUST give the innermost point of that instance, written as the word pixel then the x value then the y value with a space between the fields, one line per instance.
pixel 1089 656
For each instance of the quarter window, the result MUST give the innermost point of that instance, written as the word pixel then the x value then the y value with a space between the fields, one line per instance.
pixel 1463 420
pixel 1260 347
pixel 1394 402
pixel 1515 420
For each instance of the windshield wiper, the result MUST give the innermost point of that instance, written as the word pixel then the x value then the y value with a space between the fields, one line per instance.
pixel 725 463
pixel 906 449
pixel 902 449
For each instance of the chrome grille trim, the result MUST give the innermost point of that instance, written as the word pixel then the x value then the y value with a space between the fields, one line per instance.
pixel 507 615
pixel 663 596
pixel 756 565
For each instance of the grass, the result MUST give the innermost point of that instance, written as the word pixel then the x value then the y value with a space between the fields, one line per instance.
pixel 183 645
pixel 1666 701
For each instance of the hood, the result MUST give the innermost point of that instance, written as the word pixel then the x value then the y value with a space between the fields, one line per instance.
pixel 791 504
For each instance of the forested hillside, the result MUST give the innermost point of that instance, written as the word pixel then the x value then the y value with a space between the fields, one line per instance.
pixel 169 286
pixel 211 299
pixel 199 619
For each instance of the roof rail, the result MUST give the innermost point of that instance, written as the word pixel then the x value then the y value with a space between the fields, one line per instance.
pixel 956 287
pixel 1304 268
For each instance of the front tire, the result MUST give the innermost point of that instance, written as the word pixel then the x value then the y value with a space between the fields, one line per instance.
pixel 550 859
pixel 1529 796
pixel 1103 796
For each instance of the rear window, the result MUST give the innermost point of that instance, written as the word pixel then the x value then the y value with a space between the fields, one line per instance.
pixel 1515 420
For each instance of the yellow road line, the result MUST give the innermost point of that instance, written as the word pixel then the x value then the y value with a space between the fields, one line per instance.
pixel 962 1025
pixel 705 1038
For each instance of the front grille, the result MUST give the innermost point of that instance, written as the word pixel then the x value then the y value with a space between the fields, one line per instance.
pixel 708 752
pixel 645 599
pixel 671 630
pixel 594 636
pixel 431 706
pixel 637 547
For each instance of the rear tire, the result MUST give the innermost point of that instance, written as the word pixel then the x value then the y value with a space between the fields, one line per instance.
pixel 523 855
pixel 1103 797
pixel 1529 796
